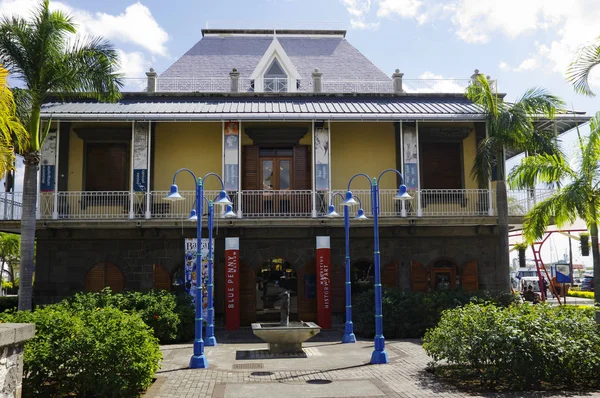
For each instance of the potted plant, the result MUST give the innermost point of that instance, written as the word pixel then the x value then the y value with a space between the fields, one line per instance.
pixel 584 240
pixel 521 247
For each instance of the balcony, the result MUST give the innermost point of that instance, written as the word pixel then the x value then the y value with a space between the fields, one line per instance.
pixel 277 85
pixel 284 204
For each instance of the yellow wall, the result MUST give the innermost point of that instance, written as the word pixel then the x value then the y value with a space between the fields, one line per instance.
pixel 197 146
pixel 361 148
pixel 469 151
pixel 75 178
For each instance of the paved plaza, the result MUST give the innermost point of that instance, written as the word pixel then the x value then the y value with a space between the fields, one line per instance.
pixel 242 367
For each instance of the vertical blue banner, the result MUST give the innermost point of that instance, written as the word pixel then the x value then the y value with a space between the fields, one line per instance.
pixel 47 178
pixel 140 180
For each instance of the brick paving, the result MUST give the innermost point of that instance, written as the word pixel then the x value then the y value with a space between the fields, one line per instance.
pixel 330 369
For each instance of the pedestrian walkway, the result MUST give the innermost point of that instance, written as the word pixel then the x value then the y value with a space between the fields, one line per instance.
pixel 241 366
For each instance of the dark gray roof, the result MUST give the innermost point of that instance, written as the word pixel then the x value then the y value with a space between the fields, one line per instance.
pixel 216 56
pixel 269 108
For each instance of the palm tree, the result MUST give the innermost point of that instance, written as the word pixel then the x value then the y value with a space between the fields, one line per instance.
pixel 11 129
pixel 46 55
pixel 9 252
pixel 579 197
pixel 579 70
pixel 510 126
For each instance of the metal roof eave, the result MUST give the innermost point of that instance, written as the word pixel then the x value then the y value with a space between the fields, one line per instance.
pixel 259 116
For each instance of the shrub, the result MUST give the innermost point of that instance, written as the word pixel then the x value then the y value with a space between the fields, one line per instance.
pixel 8 303
pixel 410 314
pixel 519 347
pixel 157 308
pixel 186 313
pixel 578 293
pixel 99 352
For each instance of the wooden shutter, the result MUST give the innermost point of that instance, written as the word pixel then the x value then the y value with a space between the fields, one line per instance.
pixel 389 275
pixel 418 277
pixel 469 278
pixel 302 178
pixel 250 166
pixel 160 277
pixel 441 166
pixel 104 275
pixel 106 167
pixel 247 294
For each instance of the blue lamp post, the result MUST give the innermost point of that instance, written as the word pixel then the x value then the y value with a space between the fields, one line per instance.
pixel 349 336
pixel 379 354
pixel 198 359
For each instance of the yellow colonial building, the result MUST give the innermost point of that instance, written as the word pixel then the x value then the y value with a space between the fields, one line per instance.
pixel 286 118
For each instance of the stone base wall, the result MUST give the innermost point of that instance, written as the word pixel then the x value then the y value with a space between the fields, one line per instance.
pixel 65 256
pixel 12 340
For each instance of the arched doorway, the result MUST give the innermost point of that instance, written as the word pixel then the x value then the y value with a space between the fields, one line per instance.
pixel 362 276
pixel 443 274
pixel 274 277
pixel 104 275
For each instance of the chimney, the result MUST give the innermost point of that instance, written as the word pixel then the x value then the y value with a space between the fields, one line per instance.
pixel 474 77
pixel 317 83
pixel 234 75
pixel 152 80
pixel 397 81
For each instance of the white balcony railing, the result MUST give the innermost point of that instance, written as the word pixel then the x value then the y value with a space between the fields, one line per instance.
pixel 124 205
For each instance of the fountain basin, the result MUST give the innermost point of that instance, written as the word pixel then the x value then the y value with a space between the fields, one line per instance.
pixel 285 339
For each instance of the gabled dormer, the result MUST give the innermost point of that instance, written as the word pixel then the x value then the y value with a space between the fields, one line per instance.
pixel 275 72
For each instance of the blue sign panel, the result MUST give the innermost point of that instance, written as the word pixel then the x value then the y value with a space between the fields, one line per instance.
pixel 322 177
pixel 411 177
pixel 47 178
pixel 563 273
pixel 140 180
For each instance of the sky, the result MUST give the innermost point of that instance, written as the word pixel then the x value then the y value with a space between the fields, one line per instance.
pixel 519 43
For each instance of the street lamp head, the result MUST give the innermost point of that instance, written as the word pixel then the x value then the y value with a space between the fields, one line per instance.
pixel 193 216
pixel 174 194
pixel 402 193
pixel 229 212
pixel 361 215
pixel 349 199
pixel 332 213
pixel 223 199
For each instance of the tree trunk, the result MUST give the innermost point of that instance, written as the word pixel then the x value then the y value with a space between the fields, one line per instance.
pixel 596 261
pixel 28 221
pixel 503 266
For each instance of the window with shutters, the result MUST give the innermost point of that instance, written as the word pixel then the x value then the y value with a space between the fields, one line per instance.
pixel 441 165
pixel 106 167
pixel 104 275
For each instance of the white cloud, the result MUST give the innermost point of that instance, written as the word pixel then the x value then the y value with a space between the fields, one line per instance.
pixel 504 66
pixel 527 64
pixel 362 25
pixel 429 82
pixel 403 8
pixel 135 26
pixel 357 8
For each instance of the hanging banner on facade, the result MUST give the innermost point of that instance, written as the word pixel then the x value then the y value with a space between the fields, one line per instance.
pixel 323 282
pixel 141 140
pixel 232 283
pixel 48 163
pixel 411 145
pixel 231 132
pixel 322 159
pixel 190 271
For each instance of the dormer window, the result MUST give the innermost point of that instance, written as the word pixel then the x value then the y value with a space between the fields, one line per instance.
pixel 275 79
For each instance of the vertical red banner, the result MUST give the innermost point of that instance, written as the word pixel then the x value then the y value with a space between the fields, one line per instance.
pixel 323 282
pixel 232 283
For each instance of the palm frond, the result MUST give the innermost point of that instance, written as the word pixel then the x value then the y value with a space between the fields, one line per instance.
pixel 486 159
pixel 540 168
pixel 481 93
pixel 580 68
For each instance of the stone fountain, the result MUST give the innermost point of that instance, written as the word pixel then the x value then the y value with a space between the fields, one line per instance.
pixel 285 337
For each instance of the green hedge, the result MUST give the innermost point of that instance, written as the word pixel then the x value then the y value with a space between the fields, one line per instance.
pixel 410 314
pixel 102 352
pixel 520 347
pixel 578 293
pixel 171 317
pixel 8 303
